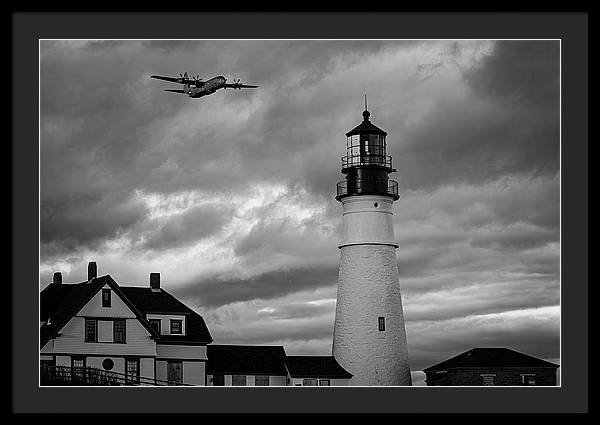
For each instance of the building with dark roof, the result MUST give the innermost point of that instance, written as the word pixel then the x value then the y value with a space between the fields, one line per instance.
pixel 316 371
pixel 132 335
pixel 98 332
pixel 492 366
pixel 264 365
pixel 246 365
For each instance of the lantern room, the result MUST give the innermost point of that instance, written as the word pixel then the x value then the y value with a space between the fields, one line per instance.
pixel 366 145
pixel 366 164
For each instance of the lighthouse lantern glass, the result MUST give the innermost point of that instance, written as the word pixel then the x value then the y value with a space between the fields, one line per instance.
pixel 366 149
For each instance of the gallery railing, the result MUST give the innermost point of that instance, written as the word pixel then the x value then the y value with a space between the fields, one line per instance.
pixel 367 187
pixel 68 375
pixel 368 159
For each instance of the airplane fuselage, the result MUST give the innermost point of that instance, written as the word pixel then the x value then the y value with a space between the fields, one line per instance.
pixel 209 87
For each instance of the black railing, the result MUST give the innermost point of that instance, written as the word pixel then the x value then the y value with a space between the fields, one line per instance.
pixel 367 187
pixel 370 159
pixel 67 375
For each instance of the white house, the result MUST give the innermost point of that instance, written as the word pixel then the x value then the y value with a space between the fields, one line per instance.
pixel 100 333
pixel 136 335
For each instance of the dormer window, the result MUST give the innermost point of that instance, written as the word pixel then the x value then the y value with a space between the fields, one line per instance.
pixel 155 323
pixel 106 300
pixel 176 326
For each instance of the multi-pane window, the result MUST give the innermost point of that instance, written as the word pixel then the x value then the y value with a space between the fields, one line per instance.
pixel 238 380
pixel 488 379
pixel 261 380
pixel 324 382
pixel 381 322
pixel 132 370
pixel 77 368
pixel 91 330
pixel 176 326
pixel 309 382
pixel 119 331
pixel 106 298
pixel 155 323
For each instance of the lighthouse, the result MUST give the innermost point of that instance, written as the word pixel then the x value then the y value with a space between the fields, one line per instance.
pixel 369 337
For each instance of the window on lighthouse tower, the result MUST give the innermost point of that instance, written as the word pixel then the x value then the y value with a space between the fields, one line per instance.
pixel 382 323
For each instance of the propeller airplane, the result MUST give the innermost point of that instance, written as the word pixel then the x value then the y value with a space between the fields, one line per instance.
pixel 196 87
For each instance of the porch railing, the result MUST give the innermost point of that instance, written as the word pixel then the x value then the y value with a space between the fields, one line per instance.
pixel 68 375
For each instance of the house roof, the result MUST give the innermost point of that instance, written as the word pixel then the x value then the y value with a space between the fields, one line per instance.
pixel 162 302
pixel 60 302
pixel 246 360
pixel 315 367
pixel 490 357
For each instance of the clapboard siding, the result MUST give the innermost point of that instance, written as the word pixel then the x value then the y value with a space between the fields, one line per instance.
pixel 48 347
pixel 96 362
pixel 72 340
pixel 117 309
pixel 147 367
pixel 161 370
pixel 194 373
pixel 181 352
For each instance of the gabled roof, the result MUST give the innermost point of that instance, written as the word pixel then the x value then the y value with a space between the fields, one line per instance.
pixel 246 360
pixel 161 302
pixel 490 357
pixel 60 302
pixel 315 367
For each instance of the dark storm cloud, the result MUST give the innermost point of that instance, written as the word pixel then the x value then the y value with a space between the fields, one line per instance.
pixel 475 140
pixel 531 334
pixel 215 292
pixel 191 226
pixel 506 124
pixel 67 224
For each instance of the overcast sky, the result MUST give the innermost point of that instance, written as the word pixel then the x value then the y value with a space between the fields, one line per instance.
pixel 231 196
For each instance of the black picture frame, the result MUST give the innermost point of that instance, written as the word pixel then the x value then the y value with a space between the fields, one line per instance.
pixel 570 28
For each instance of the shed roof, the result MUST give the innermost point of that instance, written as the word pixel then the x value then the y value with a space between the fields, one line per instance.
pixel 491 357
pixel 246 360
pixel 315 367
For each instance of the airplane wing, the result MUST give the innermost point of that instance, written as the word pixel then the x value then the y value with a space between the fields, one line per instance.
pixel 172 79
pixel 239 86
pixel 180 80
pixel 176 91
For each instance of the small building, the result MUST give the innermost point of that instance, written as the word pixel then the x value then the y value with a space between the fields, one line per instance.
pixel 246 365
pixel 99 333
pixel 316 371
pixel 268 365
pixel 492 366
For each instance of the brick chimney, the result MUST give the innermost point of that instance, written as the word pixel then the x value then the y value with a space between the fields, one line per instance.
pixel 57 278
pixel 155 282
pixel 92 270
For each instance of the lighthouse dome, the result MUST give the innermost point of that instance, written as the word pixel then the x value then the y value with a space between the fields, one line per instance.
pixel 366 127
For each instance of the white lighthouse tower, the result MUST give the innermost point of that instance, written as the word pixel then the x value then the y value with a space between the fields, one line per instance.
pixel 369 337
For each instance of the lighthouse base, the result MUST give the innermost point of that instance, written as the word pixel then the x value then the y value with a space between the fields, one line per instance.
pixel 368 290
